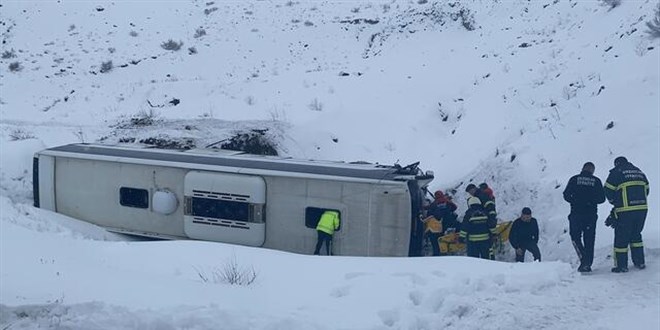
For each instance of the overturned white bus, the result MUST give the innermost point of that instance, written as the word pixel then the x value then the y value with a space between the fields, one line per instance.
pixel 233 197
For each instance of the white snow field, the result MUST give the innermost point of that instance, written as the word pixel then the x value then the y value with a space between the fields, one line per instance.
pixel 518 94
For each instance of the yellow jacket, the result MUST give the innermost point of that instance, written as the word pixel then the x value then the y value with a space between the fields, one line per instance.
pixel 329 222
pixel 431 224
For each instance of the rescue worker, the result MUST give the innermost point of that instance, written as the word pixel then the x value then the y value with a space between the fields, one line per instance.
pixel 487 202
pixel 477 230
pixel 487 191
pixel 487 198
pixel 444 209
pixel 326 227
pixel 627 189
pixel 433 229
pixel 492 213
pixel 524 236
pixel 584 192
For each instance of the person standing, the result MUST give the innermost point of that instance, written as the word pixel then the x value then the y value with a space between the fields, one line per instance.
pixel 627 189
pixel 477 230
pixel 524 236
pixel 584 192
pixel 487 197
pixel 326 227
pixel 487 202
pixel 444 209
pixel 433 229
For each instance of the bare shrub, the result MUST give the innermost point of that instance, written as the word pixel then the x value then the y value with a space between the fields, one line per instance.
pixel 229 273
pixel 308 23
pixel 192 51
pixel 171 45
pixel 466 17
pixel 200 32
pixel 165 142
pixel 133 34
pixel 15 67
pixel 20 134
pixel 611 3
pixel 141 119
pixel 654 24
pixel 8 54
pixel 106 66
pixel 208 11
pixel 254 142
pixel 316 105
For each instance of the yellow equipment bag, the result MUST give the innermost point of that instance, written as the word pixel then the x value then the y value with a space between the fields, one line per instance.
pixel 449 244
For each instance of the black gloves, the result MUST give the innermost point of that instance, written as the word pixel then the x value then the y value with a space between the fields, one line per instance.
pixel 611 220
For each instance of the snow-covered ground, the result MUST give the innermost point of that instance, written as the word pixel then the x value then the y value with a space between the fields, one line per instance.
pixel 521 100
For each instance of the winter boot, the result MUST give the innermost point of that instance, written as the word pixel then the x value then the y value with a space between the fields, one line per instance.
pixel 640 266
pixel 620 260
pixel 637 253
pixel 619 270
pixel 584 269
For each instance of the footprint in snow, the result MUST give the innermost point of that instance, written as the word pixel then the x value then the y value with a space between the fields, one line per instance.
pixel 350 276
pixel 389 317
pixel 414 278
pixel 416 297
pixel 341 291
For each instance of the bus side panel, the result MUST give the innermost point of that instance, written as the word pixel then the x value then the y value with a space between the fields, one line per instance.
pixel 90 190
pixel 390 224
pixel 46 182
pixel 375 219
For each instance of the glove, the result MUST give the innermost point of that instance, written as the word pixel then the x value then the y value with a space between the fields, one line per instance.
pixel 610 221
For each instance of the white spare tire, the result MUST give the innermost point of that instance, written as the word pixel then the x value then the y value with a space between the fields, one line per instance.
pixel 165 202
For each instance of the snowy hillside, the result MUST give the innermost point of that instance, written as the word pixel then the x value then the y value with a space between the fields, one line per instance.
pixel 518 94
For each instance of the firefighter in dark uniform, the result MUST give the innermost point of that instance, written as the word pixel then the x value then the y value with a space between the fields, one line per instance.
pixel 477 230
pixel 488 204
pixel 584 192
pixel 627 189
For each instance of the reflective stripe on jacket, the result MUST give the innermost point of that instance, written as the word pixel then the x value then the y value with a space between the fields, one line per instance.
pixel 329 222
pixel 627 188
pixel 477 226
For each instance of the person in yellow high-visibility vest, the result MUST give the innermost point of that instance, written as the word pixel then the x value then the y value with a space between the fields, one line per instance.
pixel 326 227
pixel 433 229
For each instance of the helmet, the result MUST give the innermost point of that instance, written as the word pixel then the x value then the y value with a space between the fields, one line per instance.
pixel 474 201
pixel 470 187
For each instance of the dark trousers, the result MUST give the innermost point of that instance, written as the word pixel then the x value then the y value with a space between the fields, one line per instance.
pixel 479 249
pixel 583 235
pixel 531 247
pixel 628 231
pixel 433 237
pixel 323 237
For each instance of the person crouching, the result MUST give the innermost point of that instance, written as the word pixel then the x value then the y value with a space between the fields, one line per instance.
pixel 524 236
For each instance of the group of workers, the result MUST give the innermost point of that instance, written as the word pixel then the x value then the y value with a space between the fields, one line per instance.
pixel 478 228
pixel 626 188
